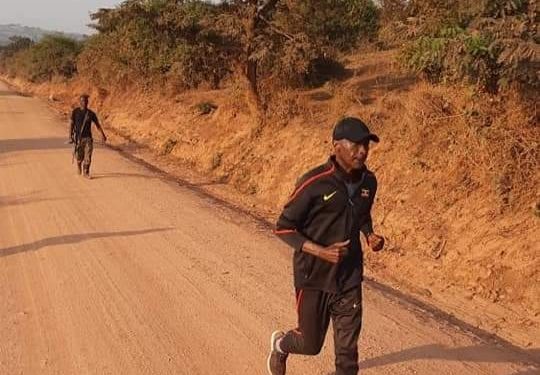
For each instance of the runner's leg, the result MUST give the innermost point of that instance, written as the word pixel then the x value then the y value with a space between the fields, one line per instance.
pixel 313 320
pixel 346 311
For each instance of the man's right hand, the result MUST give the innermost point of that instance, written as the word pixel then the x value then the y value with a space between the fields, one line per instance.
pixel 333 253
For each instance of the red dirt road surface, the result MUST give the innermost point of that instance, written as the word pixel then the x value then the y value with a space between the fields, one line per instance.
pixel 129 273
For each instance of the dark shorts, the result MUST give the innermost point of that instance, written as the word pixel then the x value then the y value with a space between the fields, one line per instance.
pixel 84 151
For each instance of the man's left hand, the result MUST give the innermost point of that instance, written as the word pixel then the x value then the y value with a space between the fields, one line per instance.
pixel 375 241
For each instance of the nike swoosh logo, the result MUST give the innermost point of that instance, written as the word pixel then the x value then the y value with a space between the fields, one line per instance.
pixel 327 197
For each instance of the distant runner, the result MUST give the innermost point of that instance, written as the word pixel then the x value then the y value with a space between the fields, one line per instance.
pixel 322 221
pixel 81 135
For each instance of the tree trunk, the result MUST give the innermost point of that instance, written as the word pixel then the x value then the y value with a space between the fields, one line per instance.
pixel 257 10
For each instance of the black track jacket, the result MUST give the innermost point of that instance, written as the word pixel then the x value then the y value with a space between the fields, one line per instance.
pixel 322 210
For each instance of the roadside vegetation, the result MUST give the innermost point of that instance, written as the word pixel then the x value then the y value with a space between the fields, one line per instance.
pixel 177 45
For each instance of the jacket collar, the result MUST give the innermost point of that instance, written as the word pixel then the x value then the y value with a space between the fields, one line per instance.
pixel 342 175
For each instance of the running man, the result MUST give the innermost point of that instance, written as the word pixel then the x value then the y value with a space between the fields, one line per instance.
pixel 80 133
pixel 322 221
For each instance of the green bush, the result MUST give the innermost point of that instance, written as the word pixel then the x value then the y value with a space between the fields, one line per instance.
pixel 491 44
pixel 425 56
pixel 156 43
pixel 178 44
pixel 186 44
pixel 454 55
pixel 336 23
pixel 7 60
pixel 53 56
pixel 16 44
pixel 297 43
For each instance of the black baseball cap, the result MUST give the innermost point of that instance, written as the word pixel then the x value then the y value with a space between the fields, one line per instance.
pixel 354 130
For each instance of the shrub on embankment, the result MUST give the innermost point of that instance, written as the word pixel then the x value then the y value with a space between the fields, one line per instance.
pixel 53 56
pixel 176 45
pixel 491 44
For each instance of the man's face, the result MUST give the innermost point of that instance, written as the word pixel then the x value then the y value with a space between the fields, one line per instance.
pixel 352 155
pixel 84 102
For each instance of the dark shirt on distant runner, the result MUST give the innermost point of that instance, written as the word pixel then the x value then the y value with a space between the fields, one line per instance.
pixel 77 118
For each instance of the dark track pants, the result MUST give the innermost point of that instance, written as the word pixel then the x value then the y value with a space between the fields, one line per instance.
pixel 315 309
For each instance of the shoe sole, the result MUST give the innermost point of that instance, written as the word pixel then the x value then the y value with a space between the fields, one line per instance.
pixel 272 340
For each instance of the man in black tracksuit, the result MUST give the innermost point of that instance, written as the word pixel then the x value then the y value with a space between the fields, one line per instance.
pixel 322 221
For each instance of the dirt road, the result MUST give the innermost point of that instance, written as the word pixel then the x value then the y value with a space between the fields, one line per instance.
pixel 131 274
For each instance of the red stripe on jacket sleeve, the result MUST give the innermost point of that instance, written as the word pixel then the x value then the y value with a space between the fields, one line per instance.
pixel 285 231
pixel 309 182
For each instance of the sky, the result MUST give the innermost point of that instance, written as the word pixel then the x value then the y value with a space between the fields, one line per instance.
pixel 57 15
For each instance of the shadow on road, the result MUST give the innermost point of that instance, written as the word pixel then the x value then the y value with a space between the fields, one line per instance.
pixel 13 93
pixel 487 354
pixel 33 197
pixel 10 164
pixel 7 93
pixel 121 175
pixel 72 239
pixel 14 145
